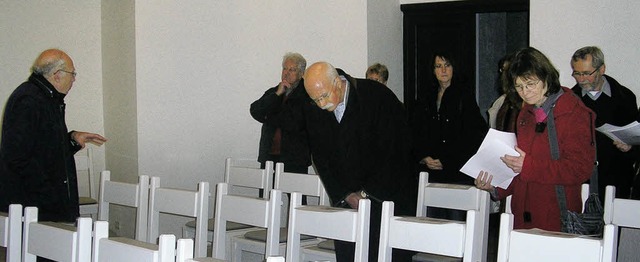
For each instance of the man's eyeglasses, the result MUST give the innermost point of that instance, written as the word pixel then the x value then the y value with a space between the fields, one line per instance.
pixel 583 74
pixel 527 86
pixel 322 97
pixel 74 74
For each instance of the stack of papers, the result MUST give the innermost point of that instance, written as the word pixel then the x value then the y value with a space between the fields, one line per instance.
pixel 629 134
pixel 495 145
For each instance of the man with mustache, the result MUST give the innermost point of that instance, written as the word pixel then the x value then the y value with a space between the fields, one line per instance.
pixel 614 104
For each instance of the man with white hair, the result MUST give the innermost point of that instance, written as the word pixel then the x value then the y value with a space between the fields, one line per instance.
pixel 360 143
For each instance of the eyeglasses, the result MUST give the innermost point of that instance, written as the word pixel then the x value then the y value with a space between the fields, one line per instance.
pixel 527 86
pixel 325 95
pixel 583 74
pixel 74 74
pixel 322 97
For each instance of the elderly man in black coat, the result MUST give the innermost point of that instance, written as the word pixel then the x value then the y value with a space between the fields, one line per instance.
pixel 37 167
pixel 360 144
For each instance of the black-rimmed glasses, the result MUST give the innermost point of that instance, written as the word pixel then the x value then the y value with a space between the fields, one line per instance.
pixel 583 74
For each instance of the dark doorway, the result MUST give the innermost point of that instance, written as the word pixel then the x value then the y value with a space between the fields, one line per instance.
pixel 476 32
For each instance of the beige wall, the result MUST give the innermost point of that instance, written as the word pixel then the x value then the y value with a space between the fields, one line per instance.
pixel 29 27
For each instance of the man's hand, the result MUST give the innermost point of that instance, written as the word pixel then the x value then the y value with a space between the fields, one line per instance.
pixel 82 138
pixel 283 87
pixel 622 146
pixel 353 200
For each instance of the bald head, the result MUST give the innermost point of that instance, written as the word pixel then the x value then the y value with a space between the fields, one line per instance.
pixel 323 85
pixel 57 67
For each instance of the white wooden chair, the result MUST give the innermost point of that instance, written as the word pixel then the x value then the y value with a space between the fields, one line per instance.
pixel 416 233
pixel 328 222
pixel 87 184
pixel 466 240
pixel 252 211
pixel 523 245
pixel 624 213
pixel 125 194
pixel 619 211
pixel 55 241
pixel 244 177
pixel 119 249
pixel 180 202
pixel 309 185
pixel 11 233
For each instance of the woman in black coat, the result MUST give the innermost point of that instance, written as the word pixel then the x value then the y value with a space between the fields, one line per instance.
pixel 447 124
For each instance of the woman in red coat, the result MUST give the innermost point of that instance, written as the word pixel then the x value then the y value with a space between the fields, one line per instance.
pixel 534 203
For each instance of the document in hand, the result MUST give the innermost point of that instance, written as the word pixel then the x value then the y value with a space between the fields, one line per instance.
pixel 495 145
pixel 629 134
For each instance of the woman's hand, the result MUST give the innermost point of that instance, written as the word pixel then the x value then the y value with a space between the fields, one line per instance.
pixel 483 181
pixel 433 164
pixel 515 162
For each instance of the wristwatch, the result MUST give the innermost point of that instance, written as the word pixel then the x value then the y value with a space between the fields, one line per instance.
pixel 364 194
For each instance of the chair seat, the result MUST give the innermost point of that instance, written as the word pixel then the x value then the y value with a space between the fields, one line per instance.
pixel 261 235
pixel 230 225
pixel 327 245
pixel 87 201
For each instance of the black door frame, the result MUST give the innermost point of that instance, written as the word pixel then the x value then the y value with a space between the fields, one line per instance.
pixel 416 15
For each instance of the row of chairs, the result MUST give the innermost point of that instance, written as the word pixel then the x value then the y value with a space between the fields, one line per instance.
pixel 80 243
pixel 464 239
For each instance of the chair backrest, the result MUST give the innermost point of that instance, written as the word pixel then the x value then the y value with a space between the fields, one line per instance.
pixel 247 173
pixel 454 238
pixel 11 232
pixel 336 223
pixel 584 194
pixel 125 194
pixel 461 197
pixel 87 184
pixel 246 210
pixel 540 245
pixel 621 212
pixel 184 250
pixel 55 241
pixel 120 249
pixel 306 184
pixel 181 202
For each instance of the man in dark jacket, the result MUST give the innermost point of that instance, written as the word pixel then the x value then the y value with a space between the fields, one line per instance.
pixel 360 143
pixel 614 104
pixel 281 140
pixel 37 167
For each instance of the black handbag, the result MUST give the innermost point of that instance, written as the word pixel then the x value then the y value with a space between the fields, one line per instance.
pixel 590 221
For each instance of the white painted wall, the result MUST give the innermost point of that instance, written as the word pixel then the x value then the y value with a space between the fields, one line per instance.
pixel 569 25
pixel 29 27
pixel 200 65
pixel 384 34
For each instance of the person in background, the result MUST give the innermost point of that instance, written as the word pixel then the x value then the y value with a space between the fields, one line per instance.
pixel 534 202
pixel 360 143
pixel 613 104
pixel 37 167
pixel 504 111
pixel 281 140
pixel 378 72
pixel 447 128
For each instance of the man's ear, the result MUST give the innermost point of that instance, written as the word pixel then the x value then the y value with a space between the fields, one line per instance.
pixel 603 68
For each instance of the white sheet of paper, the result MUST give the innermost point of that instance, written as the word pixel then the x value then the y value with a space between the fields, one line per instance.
pixel 495 145
pixel 629 134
